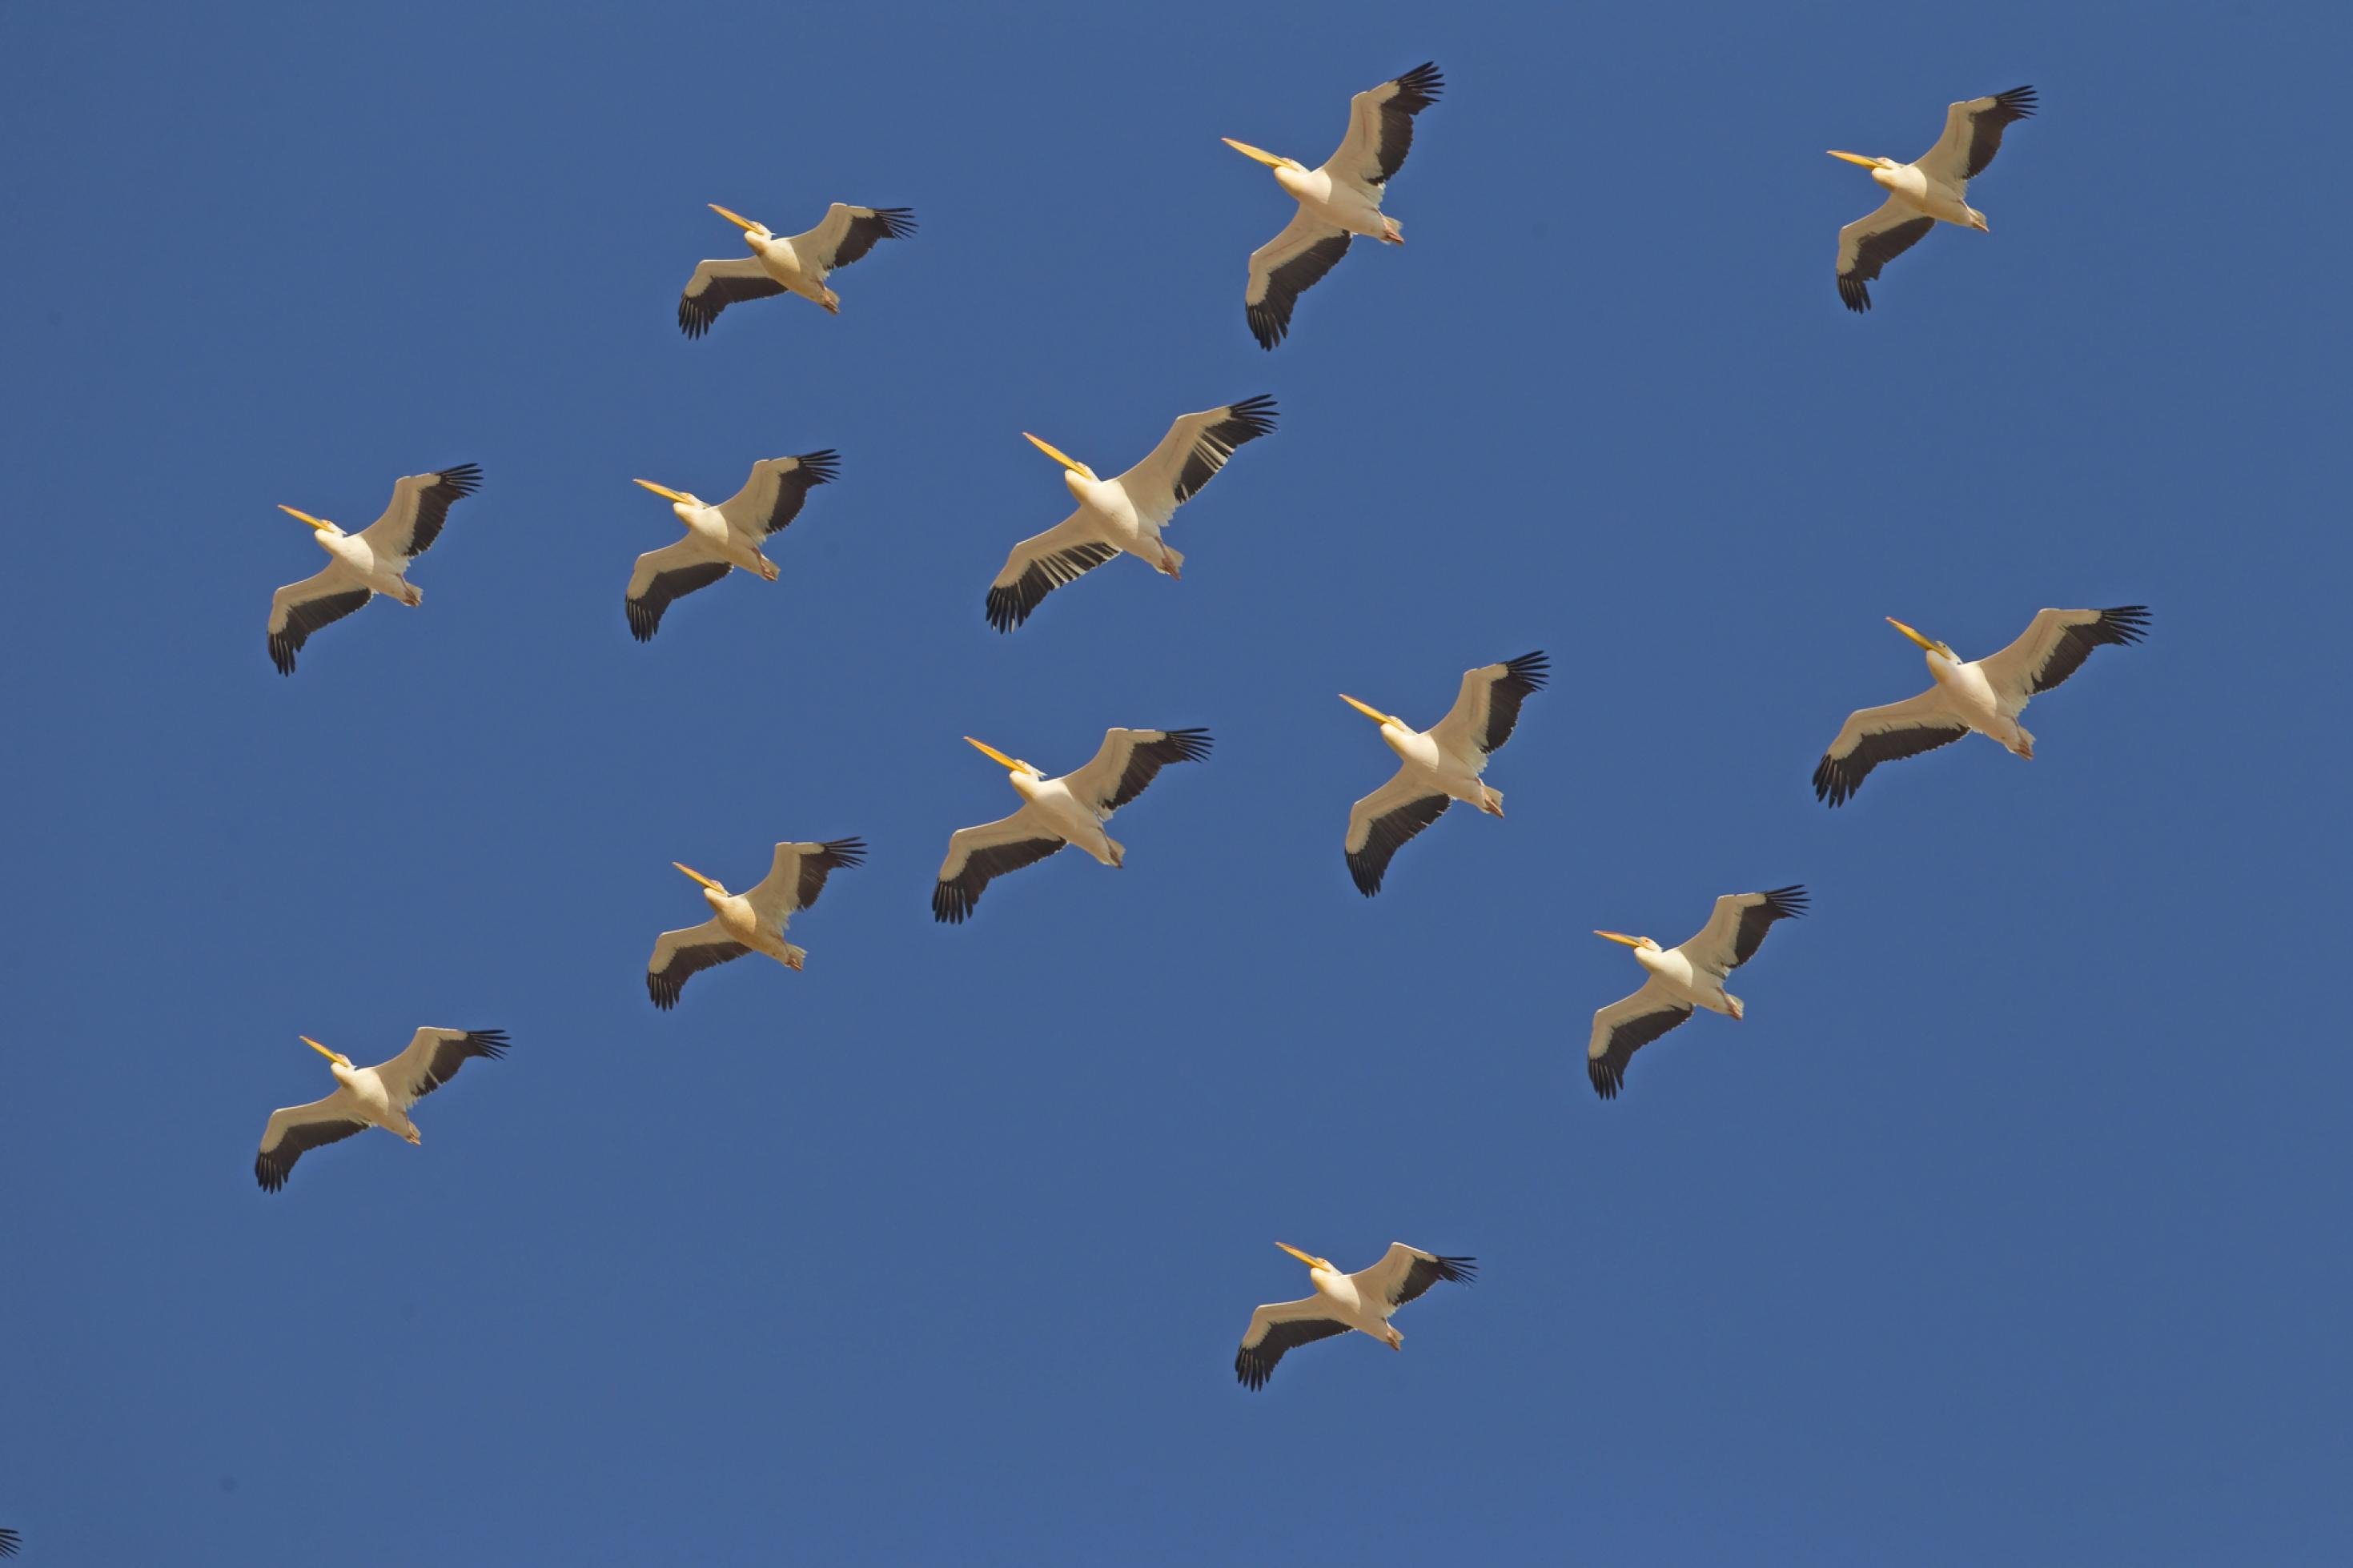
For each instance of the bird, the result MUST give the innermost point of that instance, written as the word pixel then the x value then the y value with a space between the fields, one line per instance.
pixel 372 561
pixel 379 1096
pixel 1336 202
pixel 1934 188
pixel 720 539
pixel 1362 1301
pixel 1126 514
pixel 779 266
pixel 1071 809
pixel 1681 978
pixel 1986 695
pixel 752 920
pixel 1440 765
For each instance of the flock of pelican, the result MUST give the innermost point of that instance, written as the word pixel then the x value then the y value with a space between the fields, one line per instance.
pixel 1337 203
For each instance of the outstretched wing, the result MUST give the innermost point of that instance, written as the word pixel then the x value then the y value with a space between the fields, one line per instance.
pixel 1286 267
pixel 1380 126
pixel 681 955
pixel 2054 646
pixel 1404 1272
pixel 845 233
pixel 1384 822
pixel 420 505
pixel 978 856
pixel 663 575
pixel 433 1057
pixel 1738 926
pixel 1276 1330
pixel 299 1128
pixel 301 608
pixel 718 284
pixel 1624 1027
pixel 1875 735
pixel 1972 135
pixel 1130 760
pixel 772 497
pixel 1488 706
pixel 1870 243
pixel 1191 455
pixel 1043 563
pixel 797 876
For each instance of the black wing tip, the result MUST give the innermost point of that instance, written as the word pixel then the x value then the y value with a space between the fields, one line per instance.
pixel 897 223
pixel 643 622
pixel 1856 296
pixel 1251 1370
pixel 282 654
pixel 664 990
pixel 1366 875
pixel 462 480
pixel 694 320
pixel 951 904
pixel 272 1174
pixel 2126 623
pixel 822 466
pixel 1008 607
pixel 2020 101
pixel 1268 327
pixel 848 851
pixel 1531 669
pixel 1787 903
pixel 1248 420
pixel 1833 787
pixel 1457 1270
pixel 1187 745
pixel 1424 79
pixel 490 1043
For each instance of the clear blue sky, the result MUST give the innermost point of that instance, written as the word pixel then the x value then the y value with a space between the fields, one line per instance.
pixel 2011 1224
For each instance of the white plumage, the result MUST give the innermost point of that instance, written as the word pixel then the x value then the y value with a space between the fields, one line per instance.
pixel 1362 1302
pixel 372 561
pixel 379 1096
pixel 1438 766
pixel 750 922
pixel 723 538
pixel 1681 978
pixel 799 265
pixel 1931 189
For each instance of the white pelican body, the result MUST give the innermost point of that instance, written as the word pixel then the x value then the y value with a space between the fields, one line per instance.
pixel 1984 695
pixel 1056 812
pixel 752 920
pixel 1362 1302
pixel 1681 978
pixel 1337 201
pixel 1124 515
pixel 379 1096
pixel 361 565
pixel 1438 765
pixel 722 538
pixel 1921 195
pixel 777 265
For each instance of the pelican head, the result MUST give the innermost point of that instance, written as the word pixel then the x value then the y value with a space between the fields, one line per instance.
pixel 709 886
pixel 1272 160
pixel 1874 164
pixel 337 1058
pixel 1076 467
pixel 318 524
pixel 752 230
pixel 1013 765
pixel 1638 943
pixel 1929 644
pixel 1308 1258
pixel 676 497
pixel 1375 714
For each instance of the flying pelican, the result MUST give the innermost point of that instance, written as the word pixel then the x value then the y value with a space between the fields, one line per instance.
pixel 379 1096
pixel 1340 200
pixel 1126 514
pixel 752 920
pixel 795 266
pixel 719 539
pixel 1438 766
pixel 1055 812
pixel 1681 978
pixel 1986 696
pixel 372 561
pixel 1362 1301
pixel 1920 194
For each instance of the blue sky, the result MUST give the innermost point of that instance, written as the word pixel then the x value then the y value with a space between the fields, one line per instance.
pixel 2009 1225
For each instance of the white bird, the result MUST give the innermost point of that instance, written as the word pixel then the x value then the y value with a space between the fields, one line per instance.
pixel 1934 188
pixel 1682 978
pixel 752 920
pixel 1126 514
pixel 1362 1302
pixel 720 539
pixel 379 1096
pixel 1071 809
pixel 372 561
pixel 781 266
pixel 1336 202
pixel 1438 766
pixel 1986 695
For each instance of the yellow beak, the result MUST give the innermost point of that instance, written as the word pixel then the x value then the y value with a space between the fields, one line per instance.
pixel 990 752
pixel 1621 936
pixel 1059 455
pixel 1375 714
pixel 1858 160
pixel 306 517
pixel 700 878
pixel 667 493
pixel 1247 151
pixel 746 225
pixel 1295 1252
pixel 1908 632
pixel 330 1056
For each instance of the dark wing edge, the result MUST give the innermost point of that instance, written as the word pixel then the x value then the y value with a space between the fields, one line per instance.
pixel 433 504
pixel 664 985
pixel 834 855
pixel 2116 627
pixel 1388 833
pixel 698 308
pixel 1145 761
pixel 792 488
pixel 1836 779
pixel 1270 317
pixel 1986 125
pixel 865 233
pixel 306 617
pixel 1010 604
pixel 272 1166
pixel 1608 1070
pixel 1780 904
pixel 1428 1271
pixel 451 1055
pixel 646 613
pixel 1254 1365
pixel 9 1541
pixel 952 897
pixel 1876 252
pixel 1521 675
pixel 1245 421
pixel 1417 89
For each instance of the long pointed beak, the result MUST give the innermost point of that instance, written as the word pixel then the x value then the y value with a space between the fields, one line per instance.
pixel 991 752
pixel 305 517
pixel 1058 455
pixel 1375 714
pixel 1621 936
pixel 1295 1252
pixel 1858 160
pixel 330 1056
pixel 738 220
pixel 667 493
pixel 1908 632
pixel 1247 151
pixel 700 878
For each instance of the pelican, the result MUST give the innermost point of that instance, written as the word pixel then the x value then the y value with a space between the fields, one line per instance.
pixel 372 561
pixel 752 920
pixel 1126 514
pixel 1922 194
pixel 1336 202
pixel 1986 696
pixel 780 266
pixel 720 539
pixel 1363 1301
pixel 1438 766
pixel 1055 812
pixel 379 1096
pixel 1682 978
